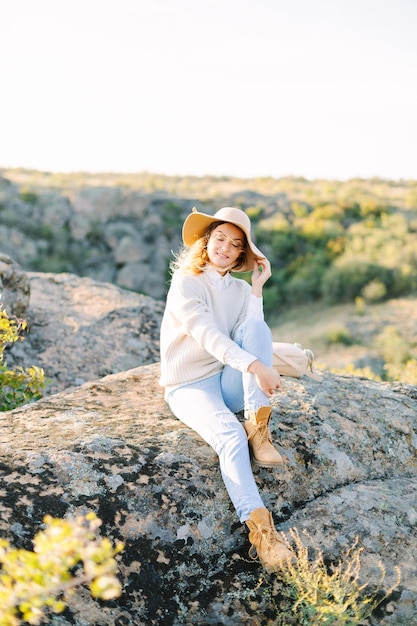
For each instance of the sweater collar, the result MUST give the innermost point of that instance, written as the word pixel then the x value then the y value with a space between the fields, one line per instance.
pixel 216 279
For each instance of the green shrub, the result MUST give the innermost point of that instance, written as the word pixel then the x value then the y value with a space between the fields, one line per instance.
pixel 411 197
pixel 351 370
pixel 360 305
pixel 20 385
pixel 328 212
pixel 304 286
pixel 403 372
pixel 326 596
pixel 299 209
pixel 392 346
pixel 172 216
pixel 67 554
pixel 349 275
pixel 254 213
pixel 370 206
pixel 272 300
pixel 339 335
pixel 52 263
pixel 319 231
pixel 28 196
pixel 374 291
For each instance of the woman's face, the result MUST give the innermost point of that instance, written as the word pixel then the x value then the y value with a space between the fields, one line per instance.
pixel 224 247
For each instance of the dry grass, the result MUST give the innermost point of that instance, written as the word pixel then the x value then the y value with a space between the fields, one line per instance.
pixel 333 595
pixel 311 324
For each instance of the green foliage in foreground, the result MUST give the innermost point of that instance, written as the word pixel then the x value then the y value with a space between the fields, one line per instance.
pixel 67 554
pixel 20 385
pixel 322 596
pixel 71 553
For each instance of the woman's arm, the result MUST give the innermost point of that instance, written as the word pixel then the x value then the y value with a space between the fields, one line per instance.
pixel 267 378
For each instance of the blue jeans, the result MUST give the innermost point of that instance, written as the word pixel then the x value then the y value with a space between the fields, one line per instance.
pixel 209 406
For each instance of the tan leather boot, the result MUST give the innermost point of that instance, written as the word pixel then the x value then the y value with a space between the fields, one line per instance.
pixel 267 545
pixel 259 438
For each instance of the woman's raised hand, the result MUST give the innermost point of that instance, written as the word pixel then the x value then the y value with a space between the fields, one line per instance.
pixel 261 273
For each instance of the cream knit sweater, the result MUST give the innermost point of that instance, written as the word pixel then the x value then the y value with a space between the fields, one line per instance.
pixel 201 317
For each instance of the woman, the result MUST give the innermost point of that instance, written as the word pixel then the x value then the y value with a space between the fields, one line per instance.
pixel 216 361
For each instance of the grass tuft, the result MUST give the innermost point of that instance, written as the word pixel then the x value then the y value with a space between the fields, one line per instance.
pixel 332 595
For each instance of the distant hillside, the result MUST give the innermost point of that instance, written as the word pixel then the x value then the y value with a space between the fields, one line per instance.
pixel 351 243
pixel 402 193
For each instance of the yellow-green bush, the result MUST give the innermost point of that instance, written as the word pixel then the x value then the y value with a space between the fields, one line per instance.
pixel 374 291
pixel 323 596
pixel 67 554
pixel 392 346
pixel 20 385
pixel 404 372
pixel 339 335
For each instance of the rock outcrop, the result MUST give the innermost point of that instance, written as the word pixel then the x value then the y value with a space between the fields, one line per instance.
pixel 112 446
pixel 81 329
pixel 14 287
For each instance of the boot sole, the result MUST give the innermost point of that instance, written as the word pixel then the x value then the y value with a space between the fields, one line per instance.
pixel 270 569
pixel 269 465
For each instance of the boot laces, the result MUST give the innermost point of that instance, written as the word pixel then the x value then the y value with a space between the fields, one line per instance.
pixel 263 431
pixel 266 537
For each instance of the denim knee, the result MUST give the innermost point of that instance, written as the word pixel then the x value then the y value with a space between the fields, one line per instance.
pixel 254 329
pixel 232 437
pixel 255 337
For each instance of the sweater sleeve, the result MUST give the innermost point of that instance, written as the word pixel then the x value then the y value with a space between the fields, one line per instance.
pixel 188 303
pixel 255 308
pixel 238 358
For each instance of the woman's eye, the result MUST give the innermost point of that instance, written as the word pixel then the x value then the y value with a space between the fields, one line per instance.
pixel 223 238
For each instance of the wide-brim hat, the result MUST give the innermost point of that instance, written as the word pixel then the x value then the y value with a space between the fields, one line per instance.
pixel 197 223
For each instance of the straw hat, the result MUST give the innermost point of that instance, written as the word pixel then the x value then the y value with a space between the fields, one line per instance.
pixel 196 224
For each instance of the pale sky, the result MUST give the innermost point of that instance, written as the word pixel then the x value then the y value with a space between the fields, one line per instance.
pixel 314 88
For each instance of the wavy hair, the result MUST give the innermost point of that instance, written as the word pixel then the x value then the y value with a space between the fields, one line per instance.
pixel 194 259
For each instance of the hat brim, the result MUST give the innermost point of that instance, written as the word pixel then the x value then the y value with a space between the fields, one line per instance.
pixel 196 224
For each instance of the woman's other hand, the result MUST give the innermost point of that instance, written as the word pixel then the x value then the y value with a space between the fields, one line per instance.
pixel 267 378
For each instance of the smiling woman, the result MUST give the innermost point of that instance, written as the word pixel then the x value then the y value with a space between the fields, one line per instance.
pixel 216 361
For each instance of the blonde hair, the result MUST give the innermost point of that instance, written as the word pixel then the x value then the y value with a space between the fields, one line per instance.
pixel 194 259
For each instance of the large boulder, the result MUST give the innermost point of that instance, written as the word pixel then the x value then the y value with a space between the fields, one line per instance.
pixel 107 442
pixel 81 329
pixel 112 446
